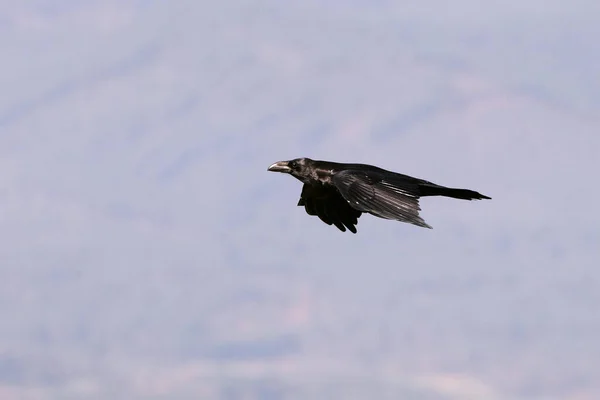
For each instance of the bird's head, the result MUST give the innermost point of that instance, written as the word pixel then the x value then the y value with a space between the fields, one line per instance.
pixel 299 168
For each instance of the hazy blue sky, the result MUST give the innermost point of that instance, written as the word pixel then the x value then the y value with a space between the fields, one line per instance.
pixel 141 237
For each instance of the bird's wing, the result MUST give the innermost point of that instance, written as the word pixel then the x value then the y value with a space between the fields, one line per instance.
pixel 386 195
pixel 326 202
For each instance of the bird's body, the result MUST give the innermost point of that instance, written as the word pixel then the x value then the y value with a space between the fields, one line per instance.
pixel 339 193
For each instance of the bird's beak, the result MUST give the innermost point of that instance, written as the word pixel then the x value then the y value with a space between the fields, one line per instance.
pixel 280 166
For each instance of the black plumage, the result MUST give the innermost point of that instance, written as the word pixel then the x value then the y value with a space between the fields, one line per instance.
pixel 339 193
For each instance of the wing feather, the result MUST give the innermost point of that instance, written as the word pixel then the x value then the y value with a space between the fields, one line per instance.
pixel 326 202
pixel 383 195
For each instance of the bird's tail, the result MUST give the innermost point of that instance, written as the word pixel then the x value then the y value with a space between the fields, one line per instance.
pixel 436 190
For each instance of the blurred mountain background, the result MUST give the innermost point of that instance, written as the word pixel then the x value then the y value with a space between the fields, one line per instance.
pixel 145 251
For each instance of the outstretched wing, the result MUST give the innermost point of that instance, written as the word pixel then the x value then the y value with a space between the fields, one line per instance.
pixel 328 204
pixel 385 195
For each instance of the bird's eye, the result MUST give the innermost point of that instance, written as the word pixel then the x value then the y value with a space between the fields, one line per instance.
pixel 294 164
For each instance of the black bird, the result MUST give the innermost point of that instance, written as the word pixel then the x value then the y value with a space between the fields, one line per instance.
pixel 339 193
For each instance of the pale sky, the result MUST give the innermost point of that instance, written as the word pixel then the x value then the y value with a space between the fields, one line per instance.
pixel 142 237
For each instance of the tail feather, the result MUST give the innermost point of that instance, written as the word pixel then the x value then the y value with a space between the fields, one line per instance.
pixel 464 194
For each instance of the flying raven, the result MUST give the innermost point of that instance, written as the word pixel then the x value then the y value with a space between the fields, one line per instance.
pixel 339 193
